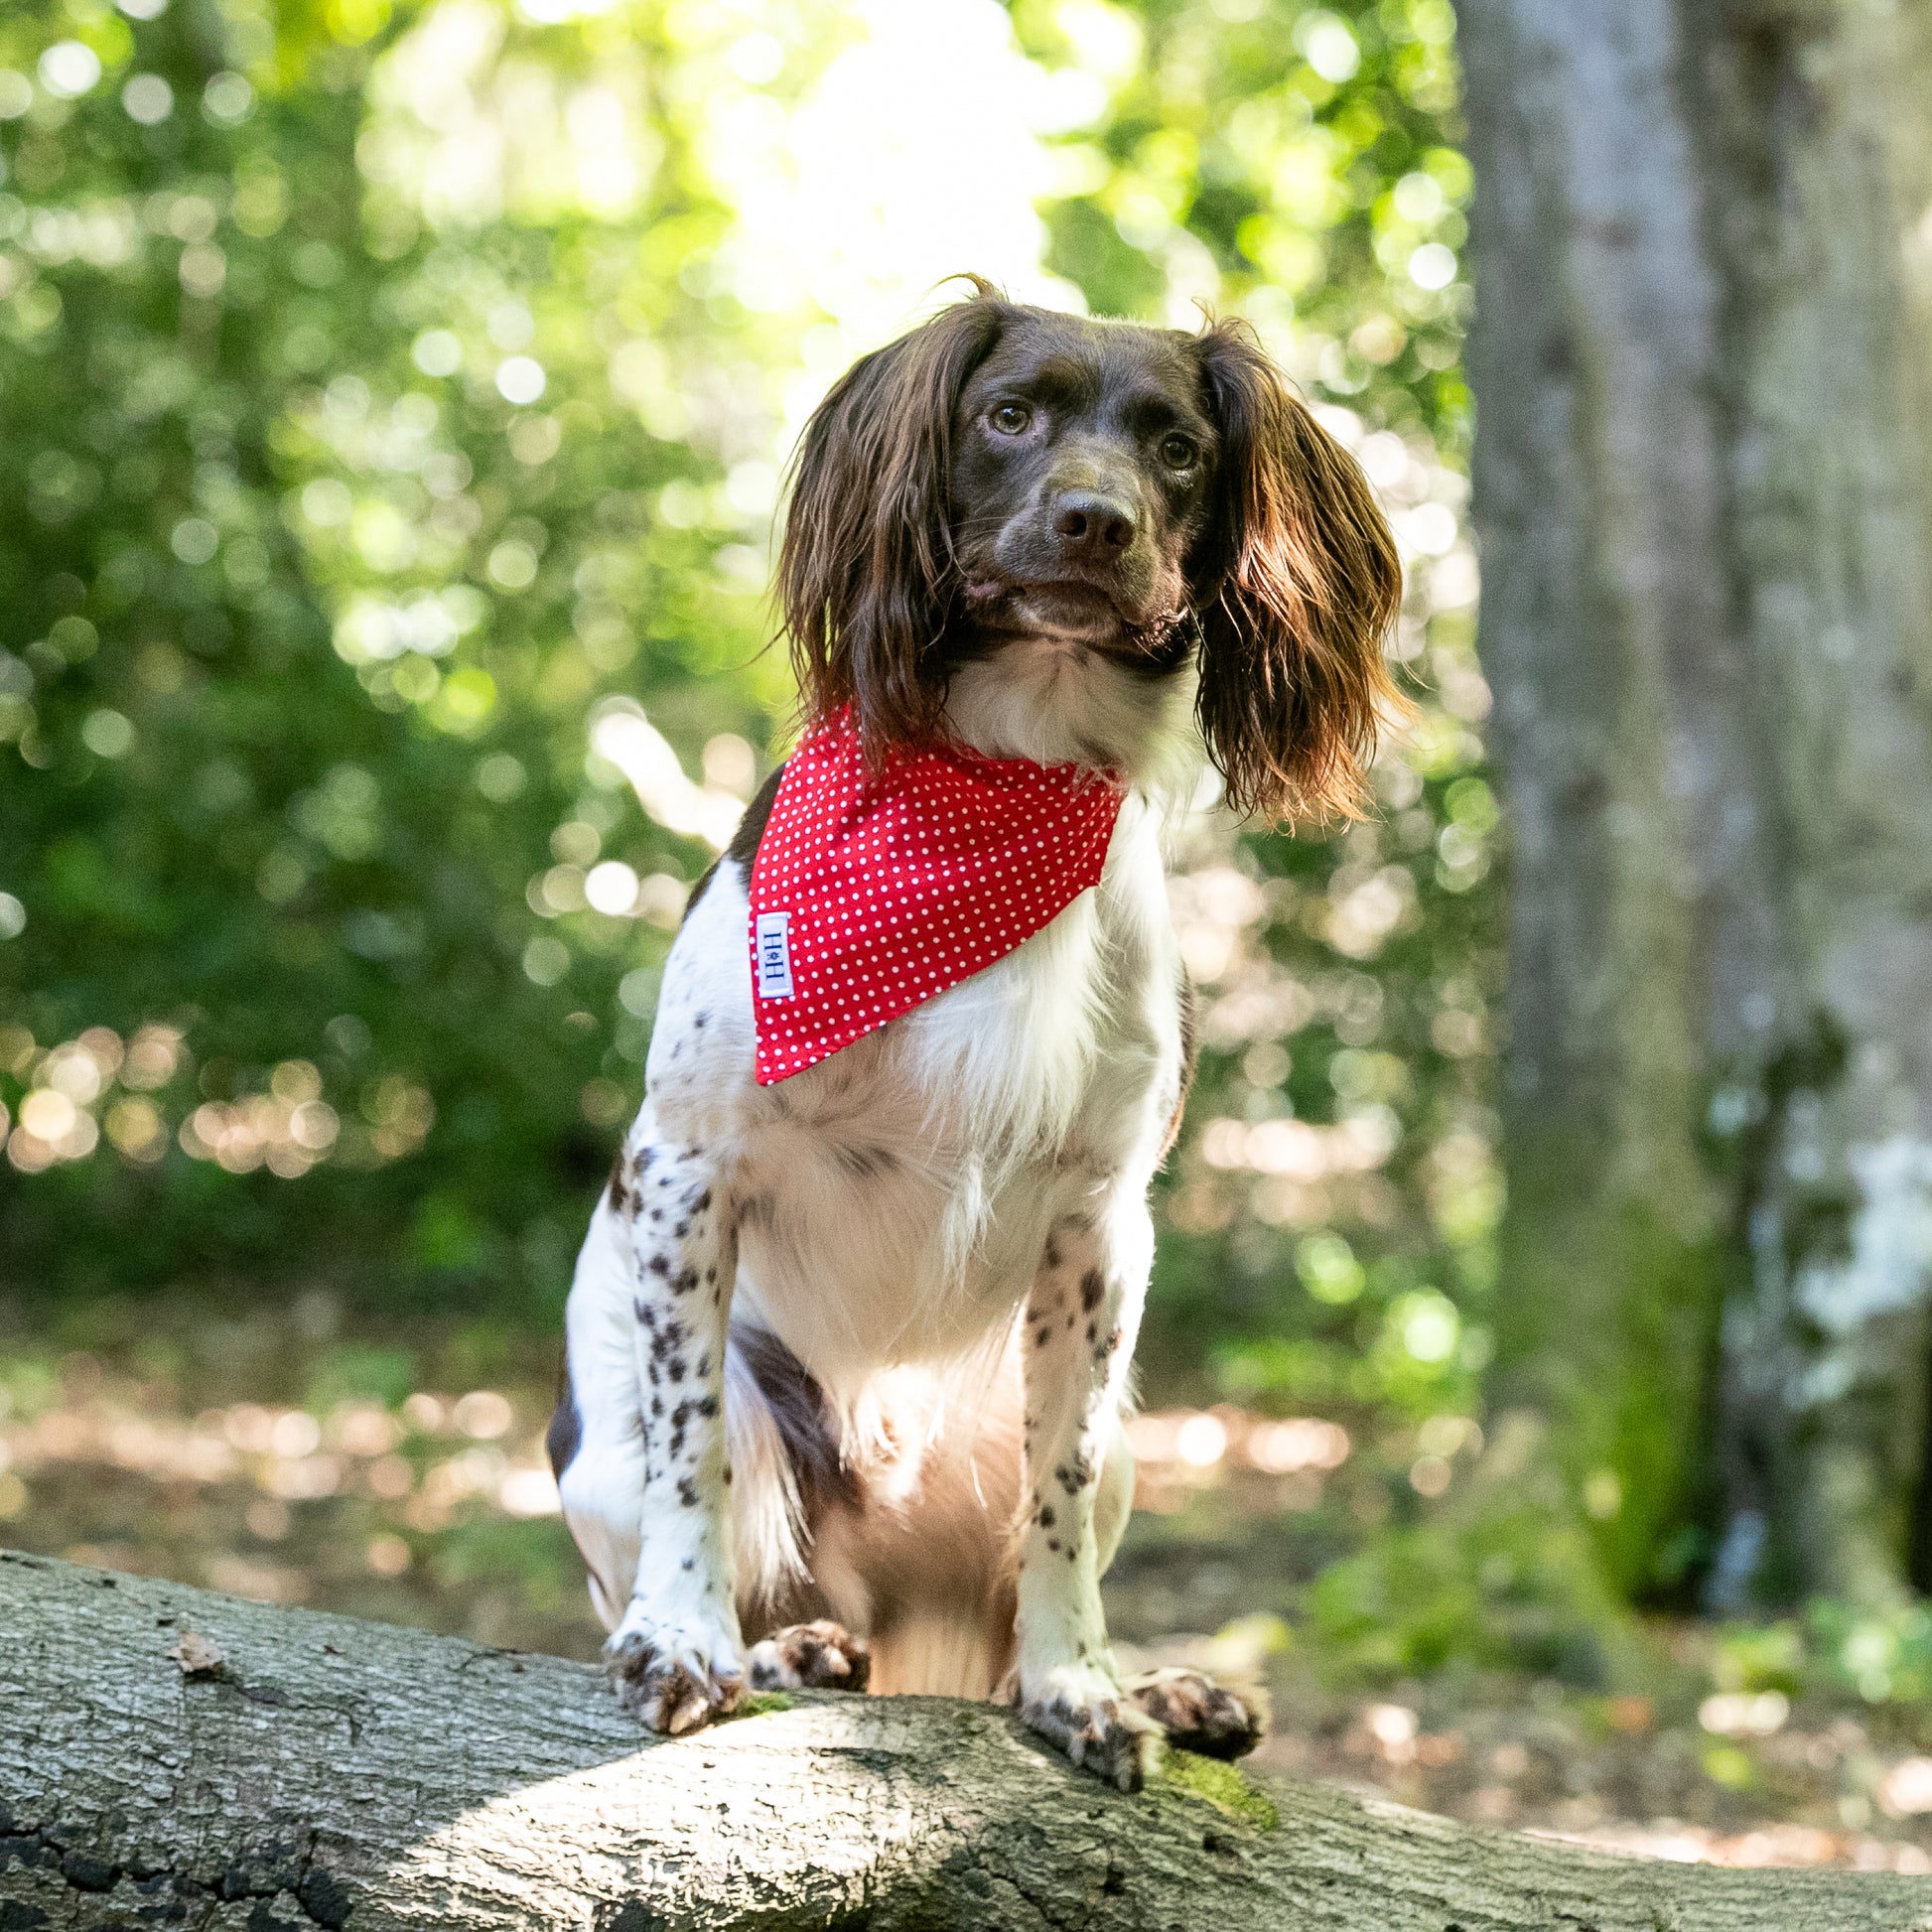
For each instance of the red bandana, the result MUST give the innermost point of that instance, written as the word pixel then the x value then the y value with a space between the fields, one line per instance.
pixel 873 891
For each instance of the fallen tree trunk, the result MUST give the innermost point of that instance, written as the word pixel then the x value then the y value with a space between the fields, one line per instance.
pixel 171 1757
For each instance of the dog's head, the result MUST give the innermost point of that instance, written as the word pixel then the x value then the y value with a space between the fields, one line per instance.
pixel 1145 493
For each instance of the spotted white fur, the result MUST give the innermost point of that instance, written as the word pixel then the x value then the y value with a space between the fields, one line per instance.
pixel 978 1167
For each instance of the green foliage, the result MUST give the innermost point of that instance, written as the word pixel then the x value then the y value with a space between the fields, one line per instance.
pixel 355 478
pixel 1886 1658
pixel 301 618
pixel 1501 1578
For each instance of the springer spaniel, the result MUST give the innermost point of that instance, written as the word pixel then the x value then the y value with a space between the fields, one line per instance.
pixel 847 1344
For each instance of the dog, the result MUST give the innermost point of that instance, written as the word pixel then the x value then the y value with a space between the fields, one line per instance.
pixel 847 1351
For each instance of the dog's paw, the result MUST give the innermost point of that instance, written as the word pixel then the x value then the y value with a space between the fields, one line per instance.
pixel 673 1678
pixel 1197 1714
pixel 1085 1714
pixel 822 1656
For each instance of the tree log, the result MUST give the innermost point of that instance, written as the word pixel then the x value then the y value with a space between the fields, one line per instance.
pixel 287 1770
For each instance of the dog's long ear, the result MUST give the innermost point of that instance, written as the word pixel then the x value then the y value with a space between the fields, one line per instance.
pixel 865 572
pixel 1295 584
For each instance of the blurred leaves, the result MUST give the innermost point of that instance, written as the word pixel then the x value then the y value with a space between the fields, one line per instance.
pixel 348 386
pixel 398 390
pixel 1333 1208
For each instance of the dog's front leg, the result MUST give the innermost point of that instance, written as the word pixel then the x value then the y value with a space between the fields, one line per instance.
pixel 1081 1321
pixel 676 1655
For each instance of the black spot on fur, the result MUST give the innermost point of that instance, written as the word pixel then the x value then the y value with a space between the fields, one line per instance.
pixel 797 1406
pixel 1092 1291
pixel 566 1430
pixel 1045 1516
pixel 622 1198
pixel 687 1492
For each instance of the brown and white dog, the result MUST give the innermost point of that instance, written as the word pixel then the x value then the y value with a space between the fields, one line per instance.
pixel 848 1356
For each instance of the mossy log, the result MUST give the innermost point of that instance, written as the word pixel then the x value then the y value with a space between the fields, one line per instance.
pixel 171 1757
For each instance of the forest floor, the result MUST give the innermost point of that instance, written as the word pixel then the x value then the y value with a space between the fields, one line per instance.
pixel 387 1476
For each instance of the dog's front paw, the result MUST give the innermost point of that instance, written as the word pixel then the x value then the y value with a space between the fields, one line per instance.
pixel 822 1656
pixel 674 1677
pixel 1197 1714
pixel 1085 1714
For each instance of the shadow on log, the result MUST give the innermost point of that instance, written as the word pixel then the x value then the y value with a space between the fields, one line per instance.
pixel 174 1758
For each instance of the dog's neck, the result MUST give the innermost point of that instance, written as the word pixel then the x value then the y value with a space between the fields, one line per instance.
pixel 1057 700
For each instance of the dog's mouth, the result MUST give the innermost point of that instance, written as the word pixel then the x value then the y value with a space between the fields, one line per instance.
pixel 1077 602
pixel 1081 612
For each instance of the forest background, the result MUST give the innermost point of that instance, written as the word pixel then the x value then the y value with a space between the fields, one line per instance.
pixel 395 398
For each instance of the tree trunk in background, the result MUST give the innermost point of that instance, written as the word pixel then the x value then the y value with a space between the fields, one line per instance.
pixel 1703 368
pixel 326 1772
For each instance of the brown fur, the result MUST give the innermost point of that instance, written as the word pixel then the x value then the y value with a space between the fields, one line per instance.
pixel 1293 585
pixel 1296 592
pixel 914 1530
pixel 866 574
pixel 918 1547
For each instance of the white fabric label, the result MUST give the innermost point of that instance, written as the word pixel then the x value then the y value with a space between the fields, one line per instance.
pixel 774 956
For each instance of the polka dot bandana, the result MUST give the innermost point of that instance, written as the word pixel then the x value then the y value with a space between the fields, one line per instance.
pixel 873 890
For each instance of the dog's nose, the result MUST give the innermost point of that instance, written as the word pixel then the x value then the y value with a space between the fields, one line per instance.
pixel 1091 525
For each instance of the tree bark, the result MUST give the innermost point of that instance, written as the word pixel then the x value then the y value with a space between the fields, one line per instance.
pixel 1702 365
pixel 318 1771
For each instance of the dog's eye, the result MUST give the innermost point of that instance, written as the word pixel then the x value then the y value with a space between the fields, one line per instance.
pixel 1011 418
pixel 1178 452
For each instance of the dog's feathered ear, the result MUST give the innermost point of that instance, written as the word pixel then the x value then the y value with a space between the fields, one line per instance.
pixel 1296 587
pixel 866 570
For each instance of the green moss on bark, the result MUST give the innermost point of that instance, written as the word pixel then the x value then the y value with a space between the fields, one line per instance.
pixel 1606 1322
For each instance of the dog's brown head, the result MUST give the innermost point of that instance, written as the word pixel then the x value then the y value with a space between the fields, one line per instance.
pixel 1004 470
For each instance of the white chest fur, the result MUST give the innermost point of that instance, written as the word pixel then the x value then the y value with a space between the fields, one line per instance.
pixel 891 1202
